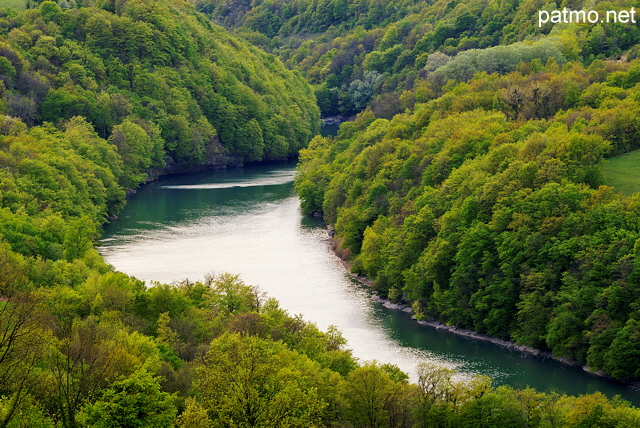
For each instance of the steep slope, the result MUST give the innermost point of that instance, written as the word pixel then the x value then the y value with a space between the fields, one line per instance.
pixel 483 208
pixel 82 345
pixel 94 100
pixel 369 52
pixel 194 90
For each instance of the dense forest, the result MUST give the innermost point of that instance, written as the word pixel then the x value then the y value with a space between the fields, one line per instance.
pixel 155 73
pixel 481 204
pixel 377 53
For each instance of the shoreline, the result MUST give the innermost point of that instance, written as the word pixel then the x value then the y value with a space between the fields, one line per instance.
pixel 215 164
pixel 507 344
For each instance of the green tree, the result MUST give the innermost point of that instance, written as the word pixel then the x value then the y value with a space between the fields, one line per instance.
pixel 252 382
pixel 230 295
pixel 494 410
pixel 193 416
pixel 138 150
pixel 132 401
pixel 23 343
pixel 371 398
pixel 79 238
pixel 620 359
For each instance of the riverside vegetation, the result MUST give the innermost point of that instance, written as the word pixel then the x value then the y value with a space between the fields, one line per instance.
pixel 483 204
pixel 97 99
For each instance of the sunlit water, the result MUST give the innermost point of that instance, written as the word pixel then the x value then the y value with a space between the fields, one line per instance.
pixel 248 221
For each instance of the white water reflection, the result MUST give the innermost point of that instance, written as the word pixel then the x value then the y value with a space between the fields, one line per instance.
pixel 271 179
pixel 270 250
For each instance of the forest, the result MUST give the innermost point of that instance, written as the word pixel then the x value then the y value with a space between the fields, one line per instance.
pixel 156 73
pixel 469 185
pixel 483 205
pixel 376 54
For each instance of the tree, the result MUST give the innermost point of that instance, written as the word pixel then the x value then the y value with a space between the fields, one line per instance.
pixel 497 409
pixel 621 358
pixel 23 342
pixel 251 382
pixel 132 401
pixel 372 398
pixel 90 354
pixel 361 91
pixel 193 416
pixel 230 295
pixel 138 150
pixel 79 238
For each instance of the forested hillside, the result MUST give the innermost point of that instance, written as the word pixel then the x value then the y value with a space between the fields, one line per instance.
pixel 375 52
pixel 156 73
pixel 485 207
pixel 94 100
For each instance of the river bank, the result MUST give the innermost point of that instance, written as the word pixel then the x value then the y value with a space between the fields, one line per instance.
pixel 334 244
pixel 248 221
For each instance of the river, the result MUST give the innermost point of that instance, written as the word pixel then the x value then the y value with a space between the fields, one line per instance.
pixel 248 221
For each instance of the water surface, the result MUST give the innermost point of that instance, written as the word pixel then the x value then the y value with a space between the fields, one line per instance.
pixel 248 221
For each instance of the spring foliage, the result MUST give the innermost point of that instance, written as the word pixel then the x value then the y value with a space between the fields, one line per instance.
pixel 485 208
pixel 335 43
pixel 481 205
pixel 157 79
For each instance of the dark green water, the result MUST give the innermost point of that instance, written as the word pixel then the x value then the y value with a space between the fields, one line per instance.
pixel 248 221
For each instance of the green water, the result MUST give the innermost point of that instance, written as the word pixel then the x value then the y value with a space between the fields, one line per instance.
pixel 248 221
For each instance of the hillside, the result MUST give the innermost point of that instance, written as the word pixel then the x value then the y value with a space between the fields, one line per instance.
pixel 93 101
pixel 195 90
pixel 485 208
pixel 377 53
pixel 481 204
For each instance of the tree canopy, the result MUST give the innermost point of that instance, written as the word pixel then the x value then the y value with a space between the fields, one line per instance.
pixel 485 207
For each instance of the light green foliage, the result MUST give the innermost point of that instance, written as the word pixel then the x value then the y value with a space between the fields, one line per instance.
pixel 88 355
pixel 252 382
pixel 479 203
pixel 163 68
pixel 53 202
pixel 495 410
pixel 29 413
pixel 133 401
pixel 373 399
pixel 193 416
pixel 138 152
pixel 484 208
pixel 79 237
pixel 23 344
pixel 229 294
pixel 335 42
